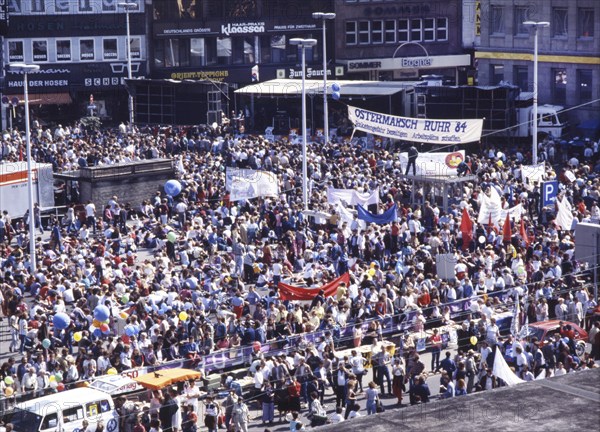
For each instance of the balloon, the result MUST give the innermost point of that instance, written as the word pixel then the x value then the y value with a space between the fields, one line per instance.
pixel 371 272
pixel 172 237
pixel 335 95
pixel 101 313
pixel 125 298
pixel 61 321
pixel 111 371
pixel 473 340
pixel 8 391
pixel 256 345
pixel 124 315
pixel 104 327
pixel 53 384
pixel 96 324
pixel 60 387
pixel 77 336
pixel 481 239
pixel 172 188
pixel 183 316
pixel 9 380
pixel 58 376
pixel 52 378
pixel 46 343
pixel 335 87
pixel 372 265
pixel 129 331
pixel 97 332
pixel 125 338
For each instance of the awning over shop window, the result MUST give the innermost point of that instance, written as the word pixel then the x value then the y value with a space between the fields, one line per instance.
pixel 293 87
pixel 44 98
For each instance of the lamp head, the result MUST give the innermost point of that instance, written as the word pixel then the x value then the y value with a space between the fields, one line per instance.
pixel 128 5
pixel 303 43
pixel 537 23
pixel 323 15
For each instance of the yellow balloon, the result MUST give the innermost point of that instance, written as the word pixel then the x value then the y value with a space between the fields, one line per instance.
pixel 96 323
pixel 52 378
pixel 111 371
pixel 77 336
pixel 183 316
pixel 8 391
pixel 124 315
pixel 371 272
pixel 473 340
pixel 372 265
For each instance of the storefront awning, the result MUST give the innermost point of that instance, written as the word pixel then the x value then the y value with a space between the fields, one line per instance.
pixel 293 87
pixel 44 98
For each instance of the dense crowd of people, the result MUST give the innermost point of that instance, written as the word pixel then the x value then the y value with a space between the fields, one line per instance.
pixel 220 262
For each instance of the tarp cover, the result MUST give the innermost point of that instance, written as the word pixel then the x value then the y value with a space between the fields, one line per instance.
pixel 166 377
pixel 290 292
pixel 388 216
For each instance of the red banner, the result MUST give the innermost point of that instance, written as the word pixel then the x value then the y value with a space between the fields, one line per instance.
pixel 290 292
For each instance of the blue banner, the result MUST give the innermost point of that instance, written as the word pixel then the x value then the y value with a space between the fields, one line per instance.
pixel 388 216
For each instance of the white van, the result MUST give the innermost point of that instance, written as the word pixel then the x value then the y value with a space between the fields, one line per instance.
pixel 66 411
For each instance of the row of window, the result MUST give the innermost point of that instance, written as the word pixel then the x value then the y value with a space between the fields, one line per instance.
pixel 26 7
pixel 220 51
pixel 67 50
pixel 558 79
pixel 559 25
pixel 370 32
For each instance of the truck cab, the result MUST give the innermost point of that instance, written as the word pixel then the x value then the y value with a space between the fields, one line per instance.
pixel 550 121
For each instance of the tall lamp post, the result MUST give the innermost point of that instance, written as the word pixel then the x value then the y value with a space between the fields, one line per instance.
pixel 303 44
pixel 26 69
pixel 324 16
pixel 534 129
pixel 128 7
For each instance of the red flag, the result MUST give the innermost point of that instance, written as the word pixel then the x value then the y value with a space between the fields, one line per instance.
pixel 506 232
pixel 523 233
pixel 20 152
pixel 466 228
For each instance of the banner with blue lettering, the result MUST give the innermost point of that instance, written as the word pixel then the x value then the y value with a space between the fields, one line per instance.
pixel 388 216
pixel 418 130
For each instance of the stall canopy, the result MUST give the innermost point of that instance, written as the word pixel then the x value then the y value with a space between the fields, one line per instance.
pixel 293 87
pixel 166 377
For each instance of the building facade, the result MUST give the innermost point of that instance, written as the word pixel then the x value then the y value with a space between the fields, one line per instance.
pixel 81 48
pixel 393 40
pixel 569 51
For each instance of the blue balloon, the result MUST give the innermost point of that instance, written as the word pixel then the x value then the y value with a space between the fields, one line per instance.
pixel 336 95
pixel 173 188
pixel 101 313
pixel 335 87
pixel 97 332
pixel 136 329
pixel 130 331
pixel 61 321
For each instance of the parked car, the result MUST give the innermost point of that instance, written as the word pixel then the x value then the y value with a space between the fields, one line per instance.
pixel 545 330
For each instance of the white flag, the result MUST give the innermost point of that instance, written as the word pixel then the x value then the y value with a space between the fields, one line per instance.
pixel 503 371
pixel 564 217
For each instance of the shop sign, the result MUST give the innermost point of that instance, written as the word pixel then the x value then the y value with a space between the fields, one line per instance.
pixel 292 73
pixel 242 28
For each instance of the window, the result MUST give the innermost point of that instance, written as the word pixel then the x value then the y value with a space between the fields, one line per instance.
pixel 243 50
pixel 278 48
pixel 560 22
pixel 390 31
pixel 377 32
pixel 364 36
pixel 73 414
pixel 50 421
pixel 86 49
pixel 85 6
pixel 40 50
pixel 15 51
pixel 63 50
pixel 109 49
pixel 559 91
pixel 416 30
pixel 61 6
pixel 521 77
pixel 38 6
pixel 497 20
pixel 584 85
pixel 442 29
pixel 91 410
pixel 403 30
pixel 351 38
pixel 521 15
pixel 196 52
pixel 135 48
pixel 110 6
pixel 223 50
pixel 585 23
pixel 429 29
pixel 496 74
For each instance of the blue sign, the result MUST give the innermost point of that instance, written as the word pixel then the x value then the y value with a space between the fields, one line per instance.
pixel 549 192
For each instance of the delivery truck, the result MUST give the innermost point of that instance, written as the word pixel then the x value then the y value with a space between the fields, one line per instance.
pixel 14 195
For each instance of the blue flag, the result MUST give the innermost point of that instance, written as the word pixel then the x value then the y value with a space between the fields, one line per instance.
pixel 388 216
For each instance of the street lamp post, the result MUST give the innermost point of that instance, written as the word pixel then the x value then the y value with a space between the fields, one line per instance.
pixel 128 7
pixel 325 16
pixel 534 128
pixel 26 69
pixel 303 44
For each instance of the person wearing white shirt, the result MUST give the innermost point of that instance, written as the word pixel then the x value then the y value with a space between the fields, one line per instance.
pixel 337 417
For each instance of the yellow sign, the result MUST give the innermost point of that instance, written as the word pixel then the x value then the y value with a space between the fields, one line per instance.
pixel 218 75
